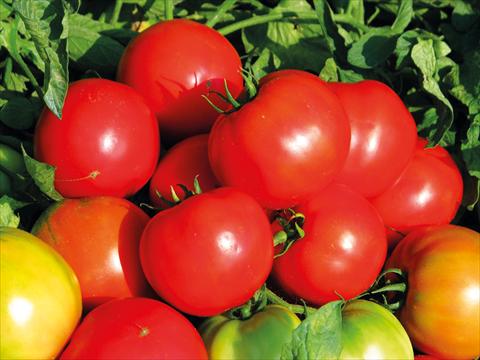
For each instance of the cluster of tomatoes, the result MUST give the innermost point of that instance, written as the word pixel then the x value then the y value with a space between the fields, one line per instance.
pixel 300 183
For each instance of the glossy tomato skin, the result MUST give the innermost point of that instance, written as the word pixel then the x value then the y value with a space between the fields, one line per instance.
pixel 441 312
pixel 99 237
pixel 180 165
pixel 383 136
pixel 369 331
pixel 261 336
pixel 286 144
pixel 173 63
pixel 135 328
pixel 208 254
pixel 40 300
pixel 107 142
pixel 343 250
pixel 428 192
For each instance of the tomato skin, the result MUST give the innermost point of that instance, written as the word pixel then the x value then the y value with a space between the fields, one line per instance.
pixel 173 63
pixel 40 300
pixel 180 165
pixel 258 337
pixel 369 331
pixel 135 328
pixel 428 192
pixel 106 129
pixel 300 142
pixel 99 238
pixel 441 312
pixel 383 137
pixel 343 250
pixel 208 254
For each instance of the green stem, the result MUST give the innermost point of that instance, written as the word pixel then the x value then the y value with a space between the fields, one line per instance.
pixel 226 5
pixel 116 12
pixel 297 309
pixel 168 9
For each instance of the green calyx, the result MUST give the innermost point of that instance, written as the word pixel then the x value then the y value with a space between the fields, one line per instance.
pixel 187 192
pixel 292 225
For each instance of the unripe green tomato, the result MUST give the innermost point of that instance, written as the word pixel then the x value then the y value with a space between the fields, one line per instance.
pixel 369 331
pixel 11 160
pixel 262 336
pixel 5 183
pixel 40 301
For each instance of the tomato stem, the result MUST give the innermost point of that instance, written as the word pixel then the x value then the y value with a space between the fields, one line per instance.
pixel 116 12
pixel 168 9
pixel 297 309
pixel 222 9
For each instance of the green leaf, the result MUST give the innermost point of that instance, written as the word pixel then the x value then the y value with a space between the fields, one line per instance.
pixel 19 112
pixel 330 30
pixel 373 48
pixel 319 336
pixel 329 71
pixel 45 21
pixel 470 148
pixel 7 215
pixel 423 55
pixel 14 203
pixel 43 175
pixel 404 16
pixel 465 14
pixel 285 44
pixel 89 49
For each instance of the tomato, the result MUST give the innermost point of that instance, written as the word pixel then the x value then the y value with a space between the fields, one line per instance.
pixel 180 165
pixel 287 143
pixel 208 254
pixel 441 312
pixel 343 250
pixel 173 63
pixel 369 331
pixel 261 336
pixel 383 136
pixel 99 237
pixel 107 142
pixel 135 328
pixel 40 300
pixel 428 192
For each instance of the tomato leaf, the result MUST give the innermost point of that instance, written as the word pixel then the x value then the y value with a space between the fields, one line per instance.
pixel 43 175
pixel 19 112
pixel 8 217
pixel 46 23
pixel 319 336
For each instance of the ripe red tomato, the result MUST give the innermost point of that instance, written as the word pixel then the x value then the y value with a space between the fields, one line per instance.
pixel 180 165
pixel 135 328
pixel 289 142
pixel 174 63
pixel 428 192
pixel 99 238
pixel 209 253
pixel 343 250
pixel 441 312
pixel 383 136
pixel 107 142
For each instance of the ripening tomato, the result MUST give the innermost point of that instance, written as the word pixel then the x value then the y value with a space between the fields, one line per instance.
pixel 107 142
pixel 343 250
pixel 40 300
pixel 99 237
pixel 286 144
pixel 173 63
pixel 135 328
pixel 428 192
pixel 208 254
pixel 180 165
pixel 383 136
pixel 441 312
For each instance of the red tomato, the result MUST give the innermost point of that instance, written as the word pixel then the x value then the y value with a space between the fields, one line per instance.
pixel 289 142
pixel 383 136
pixel 174 63
pixel 428 192
pixel 99 238
pixel 209 253
pixel 343 250
pixel 441 312
pixel 135 328
pixel 107 142
pixel 180 165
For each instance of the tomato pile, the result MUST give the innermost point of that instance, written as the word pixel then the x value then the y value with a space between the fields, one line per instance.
pixel 281 217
